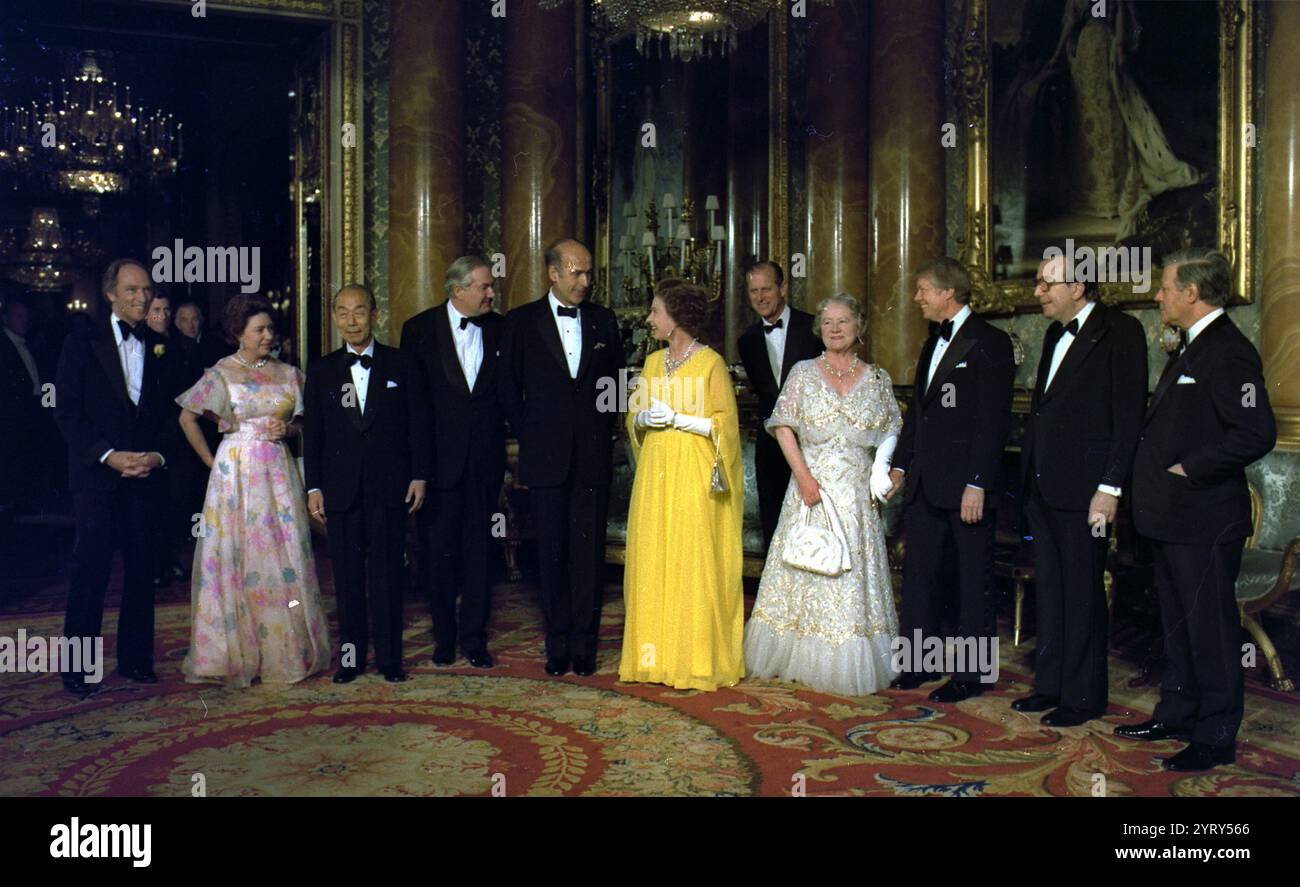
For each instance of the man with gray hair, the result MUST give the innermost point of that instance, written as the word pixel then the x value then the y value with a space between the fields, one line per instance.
pixel 455 346
pixel 1208 418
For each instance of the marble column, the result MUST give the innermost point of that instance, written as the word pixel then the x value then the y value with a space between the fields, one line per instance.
pixel 837 233
pixel 427 153
pixel 1279 232
pixel 905 172
pixel 539 150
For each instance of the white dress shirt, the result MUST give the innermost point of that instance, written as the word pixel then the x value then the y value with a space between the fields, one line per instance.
pixel 942 345
pixel 570 335
pixel 26 356
pixel 469 344
pixel 361 375
pixel 775 342
pixel 1195 329
pixel 130 352
pixel 1063 344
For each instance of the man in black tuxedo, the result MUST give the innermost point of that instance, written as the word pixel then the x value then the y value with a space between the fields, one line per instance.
pixel 365 458
pixel 1209 417
pixel 114 410
pixel 455 346
pixel 559 354
pixel 950 452
pixel 192 350
pixel 1076 456
pixel 769 349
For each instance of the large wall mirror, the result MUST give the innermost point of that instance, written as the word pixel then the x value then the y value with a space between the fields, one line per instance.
pixel 689 153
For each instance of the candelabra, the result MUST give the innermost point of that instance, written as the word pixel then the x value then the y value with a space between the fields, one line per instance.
pixel 648 259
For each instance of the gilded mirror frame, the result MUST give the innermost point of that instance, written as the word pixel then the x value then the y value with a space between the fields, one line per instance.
pixel 1236 164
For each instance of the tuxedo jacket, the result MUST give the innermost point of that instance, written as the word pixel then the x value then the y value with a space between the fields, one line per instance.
pixel 1209 411
pixel 801 343
pixel 954 436
pixel 378 452
pixel 562 424
pixel 95 413
pixel 1082 430
pixel 469 427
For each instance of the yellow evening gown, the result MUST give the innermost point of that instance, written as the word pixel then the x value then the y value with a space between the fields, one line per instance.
pixel 682 579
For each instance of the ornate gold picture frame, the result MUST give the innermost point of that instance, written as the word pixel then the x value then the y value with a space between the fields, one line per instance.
pixel 1235 164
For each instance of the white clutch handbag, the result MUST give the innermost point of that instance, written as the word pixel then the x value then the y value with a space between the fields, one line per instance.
pixel 817 549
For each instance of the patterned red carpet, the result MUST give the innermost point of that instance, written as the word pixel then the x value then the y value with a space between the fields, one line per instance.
pixel 516 731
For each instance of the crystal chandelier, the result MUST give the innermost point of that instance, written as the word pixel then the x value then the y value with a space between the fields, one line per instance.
pixel 686 28
pixel 88 138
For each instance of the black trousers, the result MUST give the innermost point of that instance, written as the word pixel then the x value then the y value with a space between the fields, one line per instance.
pixel 933 533
pixel 1073 629
pixel 458 534
pixel 570 521
pixel 772 473
pixel 366 544
pixel 1203 687
pixel 124 518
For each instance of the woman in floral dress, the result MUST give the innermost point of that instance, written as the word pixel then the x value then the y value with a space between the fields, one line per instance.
pixel 256 607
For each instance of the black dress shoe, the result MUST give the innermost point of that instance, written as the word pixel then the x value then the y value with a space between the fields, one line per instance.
pixel 1152 731
pixel 394 674
pixel 1036 702
pixel 76 685
pixel 138 675
pixel 444 656
pixel 584 666
pixel 557 665
pixel 1200 756
pixel 910 680
pixel 346 675
pixel 480 659
pixel 1069 717
pixel 956 691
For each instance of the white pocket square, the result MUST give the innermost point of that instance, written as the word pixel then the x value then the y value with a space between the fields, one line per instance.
pixel 960 365
pixel 1186 380
pixel 391 384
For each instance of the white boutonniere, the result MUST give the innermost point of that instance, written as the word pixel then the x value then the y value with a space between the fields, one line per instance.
pixel 159 350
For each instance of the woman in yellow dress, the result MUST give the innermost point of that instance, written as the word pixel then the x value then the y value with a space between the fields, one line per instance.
pixel 682 580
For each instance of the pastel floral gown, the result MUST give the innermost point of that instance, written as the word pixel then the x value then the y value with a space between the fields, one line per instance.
pixel 256 608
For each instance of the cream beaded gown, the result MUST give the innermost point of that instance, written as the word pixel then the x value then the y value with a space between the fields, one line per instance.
pixel 832 634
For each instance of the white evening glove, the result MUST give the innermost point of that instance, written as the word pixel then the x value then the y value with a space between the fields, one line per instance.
pixel 660 415
pixel 701 425
pixel 880 482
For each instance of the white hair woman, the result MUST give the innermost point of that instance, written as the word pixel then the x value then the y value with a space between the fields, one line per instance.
pixel 837 422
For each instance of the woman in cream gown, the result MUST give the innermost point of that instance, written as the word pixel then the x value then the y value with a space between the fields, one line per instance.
pixel 682 579
pixel 837 422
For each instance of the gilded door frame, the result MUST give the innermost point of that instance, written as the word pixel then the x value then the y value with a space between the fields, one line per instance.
pixel 343 221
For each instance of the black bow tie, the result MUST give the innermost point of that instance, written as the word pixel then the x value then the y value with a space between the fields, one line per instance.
pixel 566 312
pixel 944 330
pixel 364 359
pixel 1072 327
pixel 478 321
pixel 127 330
pixel 768 327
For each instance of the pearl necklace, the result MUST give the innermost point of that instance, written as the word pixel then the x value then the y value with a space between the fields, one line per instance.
pixel 252 366
pixel 840 374
pixel 672 364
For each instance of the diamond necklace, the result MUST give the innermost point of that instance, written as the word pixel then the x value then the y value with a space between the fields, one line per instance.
pixel 671 364
pixel 252 366
pixel 840 374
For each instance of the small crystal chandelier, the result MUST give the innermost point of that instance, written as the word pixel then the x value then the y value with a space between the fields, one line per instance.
pixel 688 29
pixel 88 138
pixel 44 263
